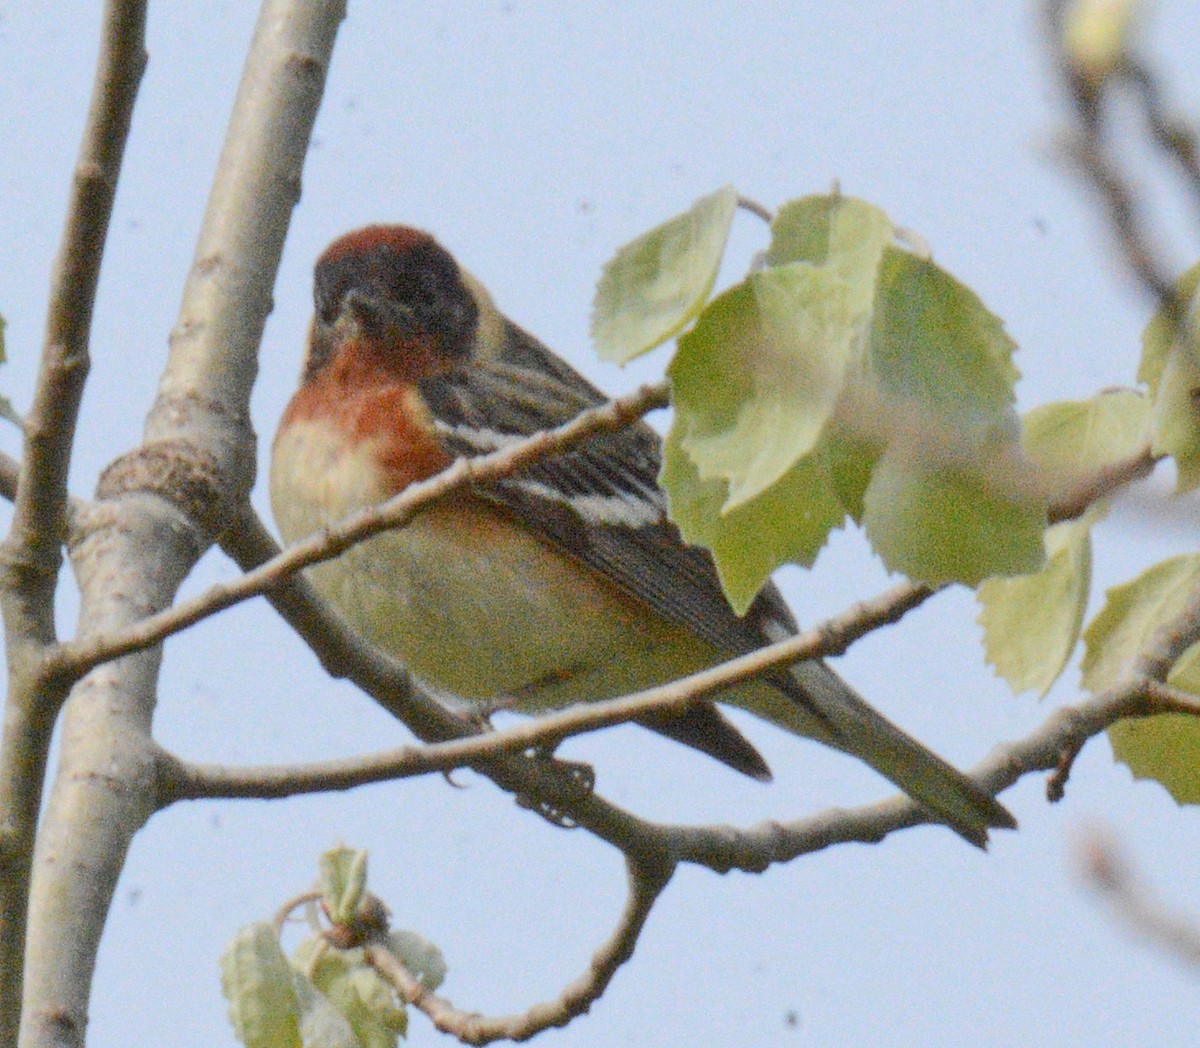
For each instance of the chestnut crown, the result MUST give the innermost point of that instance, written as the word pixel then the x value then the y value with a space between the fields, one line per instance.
pixel 396 287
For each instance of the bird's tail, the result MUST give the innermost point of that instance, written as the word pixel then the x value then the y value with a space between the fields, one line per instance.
pixel 827 708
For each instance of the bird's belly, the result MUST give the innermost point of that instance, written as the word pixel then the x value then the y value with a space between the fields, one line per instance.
pixel 472 603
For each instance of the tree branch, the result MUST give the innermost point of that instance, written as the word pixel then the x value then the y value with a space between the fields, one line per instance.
pixel 49 432
pixel 1090 153
pixel 724 848
pixel 157 505
pixel 646 883
pixel 32 554
pixel 181 780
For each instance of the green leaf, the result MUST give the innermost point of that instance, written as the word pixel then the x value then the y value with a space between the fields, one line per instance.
pixel 257 982
pixel 1172 371
pixel 1072 438
pixel 787 524
pixel 802 230
pixel 794 383
pixel 421 957
pixel 1131 614
pixel 845 235
pixel 1164 748
pixel 848 458
pixel 1031 623
pixel 756 380
pixel 342 880
pixel 321 1024
pixel 1158 338
pixel 656 285
pixel 950 524
pixel 1176 420
pixel 939 372
pixel 359 993
pixel 3 347
pixel 935 348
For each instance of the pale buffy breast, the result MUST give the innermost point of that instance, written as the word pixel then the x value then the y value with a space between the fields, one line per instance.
pixel 473 606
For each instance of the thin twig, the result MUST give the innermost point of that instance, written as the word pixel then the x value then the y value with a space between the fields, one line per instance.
pixel 1112 875
pixel 1172 135
pixel 1091 154
pixel 39 519
pixel 1090 489
pixel 10 470
pixel 646 883
pixel 1153 696
pixel 284 913
pixel 755 208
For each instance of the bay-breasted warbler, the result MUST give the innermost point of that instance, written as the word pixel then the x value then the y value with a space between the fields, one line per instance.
pixel 563 583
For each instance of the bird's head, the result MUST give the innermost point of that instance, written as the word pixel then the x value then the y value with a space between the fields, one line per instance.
pixel 395 294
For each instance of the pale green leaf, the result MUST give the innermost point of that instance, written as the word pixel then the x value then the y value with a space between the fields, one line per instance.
pixel 802 230
pixel 360 994
pixel 756 380
pixel 257 982
pixel 935 348
pixel 938 369
pixel 342 880
pixel 1131 614
pixel 656 285
pixel 845 235
pixel 1071 438
pixel 950 524
pixel 1031 623
pixel 321 1024
pixel 1176 421
pixel 1166 748
pixel 789 523
pixel 1158 338
pixel 3 346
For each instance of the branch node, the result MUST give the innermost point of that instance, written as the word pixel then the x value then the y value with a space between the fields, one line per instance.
pixel 180 472
pixel 1056 785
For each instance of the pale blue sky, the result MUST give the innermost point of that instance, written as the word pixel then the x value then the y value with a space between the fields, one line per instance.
pixel 534 139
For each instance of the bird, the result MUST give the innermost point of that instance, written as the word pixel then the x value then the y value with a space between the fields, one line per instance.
pixel 563 583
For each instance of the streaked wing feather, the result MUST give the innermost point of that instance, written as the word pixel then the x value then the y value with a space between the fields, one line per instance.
pixel 527 389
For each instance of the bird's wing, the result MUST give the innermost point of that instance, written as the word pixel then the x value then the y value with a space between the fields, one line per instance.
pixel 599 501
